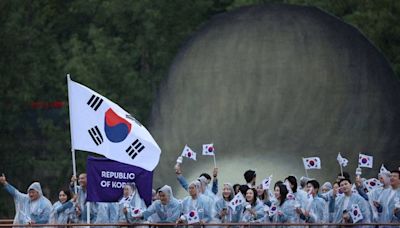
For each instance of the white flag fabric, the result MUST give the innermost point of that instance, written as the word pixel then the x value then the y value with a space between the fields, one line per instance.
pixel 355 213
pixel 208 149
pixel 237 200
pixel 342 161
pixel 273 209
pixel 98 125
pixel 192 217
pixel 312 163
pixel 365 161
pixel 136 212
pixel 383 169
pixel 189 153
pixel 372 184
pixel 267 182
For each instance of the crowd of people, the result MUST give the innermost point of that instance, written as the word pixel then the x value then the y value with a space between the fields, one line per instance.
pixel 290 201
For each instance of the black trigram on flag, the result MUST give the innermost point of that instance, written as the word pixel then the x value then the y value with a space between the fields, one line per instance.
pixel 135 148
pixel 95 102
pixel 96 135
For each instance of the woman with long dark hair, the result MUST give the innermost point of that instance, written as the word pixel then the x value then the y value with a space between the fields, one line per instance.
pixel 253 208
pixel 282 210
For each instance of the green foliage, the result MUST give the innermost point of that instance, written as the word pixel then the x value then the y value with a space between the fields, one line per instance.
pixel 122 49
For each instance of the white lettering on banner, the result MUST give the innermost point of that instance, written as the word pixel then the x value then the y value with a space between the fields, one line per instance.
pixel 118 175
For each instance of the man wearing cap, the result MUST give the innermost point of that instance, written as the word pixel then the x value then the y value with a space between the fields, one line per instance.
pixel 31 208
pixel 250 177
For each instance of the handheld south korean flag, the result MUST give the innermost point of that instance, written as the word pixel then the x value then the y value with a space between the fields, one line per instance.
pixel 237 200
pixel 189 153
pixel 355 213
pixel 383 169
pixel 372 184
pixel 136 212
pixel 341 160
pixel 273 209
pixel 98 125
pixel 312 163
pixel 208 149
pixel 365 161
pixel 266 182
pixel 192 217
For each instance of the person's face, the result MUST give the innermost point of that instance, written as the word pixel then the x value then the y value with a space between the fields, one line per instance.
pixel 82 180
pixel 310 189
pixel 163 198
pixel 226 192
pixel 208 181
pixel 33 195
pixel 277 193
pixel 62 197
pixel 249 195
pixel 324 189
pixel 127 191
pixel 394 180
pixel 192 190
pixel 345 186
pixel 260 190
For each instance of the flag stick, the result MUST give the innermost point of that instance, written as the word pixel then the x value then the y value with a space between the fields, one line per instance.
pixel 88 212
pixel 215 163
pixel 72 139
pixel 306 172
pixel 341 169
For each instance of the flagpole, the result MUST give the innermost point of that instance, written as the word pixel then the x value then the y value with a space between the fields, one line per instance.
pixel 341 169
pixel 72 139
pixel 306 172
pixel 215 163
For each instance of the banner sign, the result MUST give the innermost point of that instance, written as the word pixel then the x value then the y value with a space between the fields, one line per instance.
pixel 106 179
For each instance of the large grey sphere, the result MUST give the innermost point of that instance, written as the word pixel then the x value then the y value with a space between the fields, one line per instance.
pixel 271 84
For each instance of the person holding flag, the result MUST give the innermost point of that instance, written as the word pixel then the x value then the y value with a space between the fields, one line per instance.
pixel 341 206
pixel 130 201
pixel 253 208
pixel 81 204
pixel 283 209
pixel 315 210
pixel 183 182
pixel 31 208
pixel 197 202
pixel 224 213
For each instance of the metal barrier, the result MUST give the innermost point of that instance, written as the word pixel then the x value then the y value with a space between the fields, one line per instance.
pixel 8 223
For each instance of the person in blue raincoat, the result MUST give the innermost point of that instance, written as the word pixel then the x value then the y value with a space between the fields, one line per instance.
pixel 389 205
pixel 341 205
pixel 167 207
pixel 31 208
pixel 63 210
pixel 81 204
pixel 130 202
pixel 224 213
pixel 253 208
pixel 315 209
pixel 285 209
pixel 196 202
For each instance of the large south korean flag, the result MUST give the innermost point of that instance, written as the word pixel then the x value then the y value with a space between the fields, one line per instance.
pixel 98 125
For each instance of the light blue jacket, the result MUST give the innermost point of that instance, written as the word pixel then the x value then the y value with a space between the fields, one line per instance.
pixel 201 205
pixel 27 210
pixel 232 216
pixel 167 213
pixel 62 213
pixel 337 203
